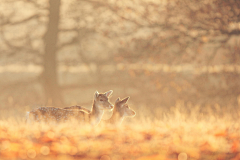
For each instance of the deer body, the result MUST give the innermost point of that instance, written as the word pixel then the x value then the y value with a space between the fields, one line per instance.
pixel 53 114
pixel 78 108
pixel 93 117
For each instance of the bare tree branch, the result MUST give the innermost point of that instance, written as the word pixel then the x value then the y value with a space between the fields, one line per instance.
pixel 9 22
pixel 66 44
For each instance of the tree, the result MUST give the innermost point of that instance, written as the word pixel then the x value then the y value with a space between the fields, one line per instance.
pixel 50 76
pixel 23 44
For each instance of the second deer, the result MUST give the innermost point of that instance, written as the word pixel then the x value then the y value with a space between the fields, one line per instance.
pixel 93 117
pixel 120 111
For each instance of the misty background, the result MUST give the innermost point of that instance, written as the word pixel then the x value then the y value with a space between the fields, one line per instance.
pixel 163 54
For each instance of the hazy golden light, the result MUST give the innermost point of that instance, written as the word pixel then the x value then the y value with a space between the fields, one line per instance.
pixel 45 150
pixel 182 156
pixel 31 153
pixel 105 157
pixel 177 60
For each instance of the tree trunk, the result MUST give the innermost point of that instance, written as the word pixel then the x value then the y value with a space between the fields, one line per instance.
pixel 50 73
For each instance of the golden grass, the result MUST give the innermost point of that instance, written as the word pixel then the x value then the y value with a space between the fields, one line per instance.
pixel 169 139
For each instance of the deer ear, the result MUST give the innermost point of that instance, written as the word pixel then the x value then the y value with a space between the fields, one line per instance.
pixel 125 100
pixel 117 100
pixel 108 93
pixel 96 95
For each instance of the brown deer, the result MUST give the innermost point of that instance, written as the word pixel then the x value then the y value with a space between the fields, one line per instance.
pixel 93 117
pixel 120 111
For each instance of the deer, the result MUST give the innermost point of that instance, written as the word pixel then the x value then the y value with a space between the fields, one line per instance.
pixel 120 111
pixel 52 114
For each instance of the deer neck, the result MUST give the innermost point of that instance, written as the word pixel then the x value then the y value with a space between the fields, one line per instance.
pixel 95 115
pixel 116 118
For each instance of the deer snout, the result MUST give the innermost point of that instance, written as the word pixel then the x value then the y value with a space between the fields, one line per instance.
pixel 111 106
pixel 133 113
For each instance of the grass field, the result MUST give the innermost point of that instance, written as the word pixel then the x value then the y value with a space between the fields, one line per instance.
pixel 173 138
